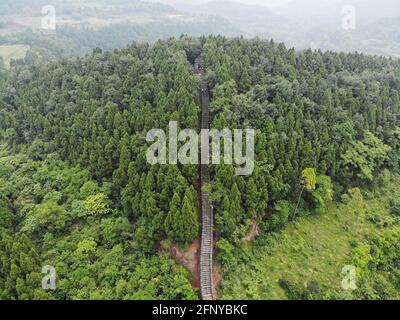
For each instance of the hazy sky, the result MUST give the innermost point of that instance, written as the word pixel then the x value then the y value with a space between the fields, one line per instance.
pixel 310 7
pixel 267 3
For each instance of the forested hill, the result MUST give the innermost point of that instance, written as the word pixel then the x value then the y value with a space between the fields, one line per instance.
pixel 77 193
pixel 326 117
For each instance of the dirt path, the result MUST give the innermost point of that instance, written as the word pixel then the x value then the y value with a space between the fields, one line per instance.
pixel 190 259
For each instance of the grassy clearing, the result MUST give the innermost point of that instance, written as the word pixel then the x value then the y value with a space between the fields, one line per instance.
pixel 8 52
pixel 314 248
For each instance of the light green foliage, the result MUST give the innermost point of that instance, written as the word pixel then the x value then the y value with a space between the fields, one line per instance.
pixel 96 205
pixel 377 265
pixel 366 156
pixel 226 253
pixel 355 201
pixel 323 193
pixel 48 215
pixel 8 52
pixel 362 257
pixel 155 278
pixel 88 189
pixel 306 259
pixel 309 178
pixel 85 248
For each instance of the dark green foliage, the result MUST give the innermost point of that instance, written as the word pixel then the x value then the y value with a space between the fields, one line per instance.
pixel 76 187
pixel 296 291
pixel 181 224
pixel 75 173
pixel 395 205
pixel 280 217
pixel 332 114
pixel 64 220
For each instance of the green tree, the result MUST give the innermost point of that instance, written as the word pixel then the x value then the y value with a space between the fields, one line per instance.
pixel 366 156
pixel 182 224
pixel 96 205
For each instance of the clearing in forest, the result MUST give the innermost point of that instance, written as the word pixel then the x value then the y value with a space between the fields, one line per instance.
pixel 8 52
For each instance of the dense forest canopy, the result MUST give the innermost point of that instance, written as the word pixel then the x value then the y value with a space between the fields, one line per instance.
pixel 76 190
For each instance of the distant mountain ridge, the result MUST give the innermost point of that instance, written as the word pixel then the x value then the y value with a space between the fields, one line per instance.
pixel 313 23
pixel 252 20
pixel 300 23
